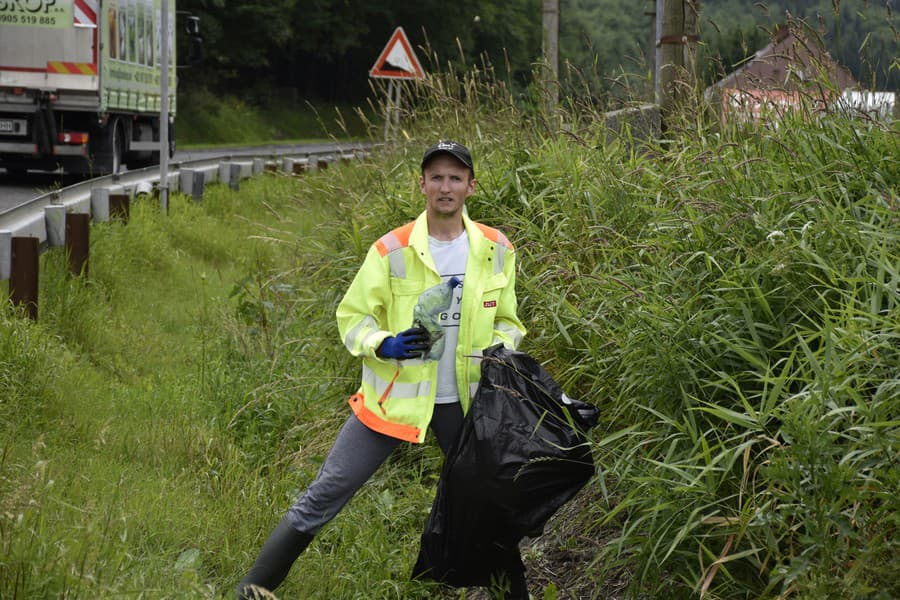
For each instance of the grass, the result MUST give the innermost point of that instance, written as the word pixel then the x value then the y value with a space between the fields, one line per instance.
pixel 728 297
pixel 206 119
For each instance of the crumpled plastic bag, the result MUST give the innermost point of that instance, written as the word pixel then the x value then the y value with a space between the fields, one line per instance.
pixel 521 454
pixel 427 314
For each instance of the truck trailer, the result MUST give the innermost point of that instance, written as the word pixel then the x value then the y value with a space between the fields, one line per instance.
pixel 80 84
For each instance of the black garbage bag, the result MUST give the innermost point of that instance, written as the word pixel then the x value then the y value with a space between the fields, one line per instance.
pixel 521 454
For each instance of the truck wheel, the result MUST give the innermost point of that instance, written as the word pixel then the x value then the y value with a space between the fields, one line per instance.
pixel 107 156
pixel 118 147
pixel 172 140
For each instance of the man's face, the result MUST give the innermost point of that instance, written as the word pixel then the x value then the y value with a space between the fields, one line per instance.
pixel 446 183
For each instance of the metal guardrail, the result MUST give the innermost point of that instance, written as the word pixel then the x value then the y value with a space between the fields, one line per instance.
pixel 44 216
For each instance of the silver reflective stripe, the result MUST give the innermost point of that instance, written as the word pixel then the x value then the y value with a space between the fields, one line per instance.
pixel 510 331
pixel 351 341
pixel 398 265
pixel 408 391
pixel 372 333
pixel 391 242
pixel 474 361
pixel 400 390
pixel 504 240
pixel 499 258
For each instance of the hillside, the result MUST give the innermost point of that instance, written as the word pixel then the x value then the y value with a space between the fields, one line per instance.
pixel 728 298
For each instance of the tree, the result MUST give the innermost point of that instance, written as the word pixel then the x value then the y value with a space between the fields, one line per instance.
pixel 323 49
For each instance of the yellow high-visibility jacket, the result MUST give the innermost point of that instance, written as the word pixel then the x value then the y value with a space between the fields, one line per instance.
pixel 397 397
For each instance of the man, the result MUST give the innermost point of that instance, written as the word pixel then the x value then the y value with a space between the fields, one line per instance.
pixel 405 388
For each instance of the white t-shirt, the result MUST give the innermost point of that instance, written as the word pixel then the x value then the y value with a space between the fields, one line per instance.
pixel 450 260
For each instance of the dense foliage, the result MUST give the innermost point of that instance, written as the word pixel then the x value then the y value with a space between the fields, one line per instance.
pixel 322 50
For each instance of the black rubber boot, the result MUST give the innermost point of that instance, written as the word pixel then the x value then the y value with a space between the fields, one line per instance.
pixel 275 559
pixel 511 578
pixel 511 586
pixel 518 587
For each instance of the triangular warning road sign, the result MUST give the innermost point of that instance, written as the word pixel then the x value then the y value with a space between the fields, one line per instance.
pixel 397 60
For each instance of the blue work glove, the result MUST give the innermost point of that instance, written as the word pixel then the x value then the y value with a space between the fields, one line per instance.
pixel 412 343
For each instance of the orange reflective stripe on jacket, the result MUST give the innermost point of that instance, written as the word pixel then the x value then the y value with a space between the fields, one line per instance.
pixel 407 433
pixel 394 240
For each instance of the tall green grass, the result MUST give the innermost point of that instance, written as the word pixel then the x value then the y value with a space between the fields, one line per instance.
pixel 728 297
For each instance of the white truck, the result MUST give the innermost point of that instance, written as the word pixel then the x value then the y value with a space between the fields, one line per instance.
pixel 80 84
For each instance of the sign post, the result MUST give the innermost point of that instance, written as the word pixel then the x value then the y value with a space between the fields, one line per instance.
pixel 164 108
pixel 396 62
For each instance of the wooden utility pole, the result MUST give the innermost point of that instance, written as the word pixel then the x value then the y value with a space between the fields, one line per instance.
pixel 550 66
pixel 652 58
pixel 677 33
pixel 692 37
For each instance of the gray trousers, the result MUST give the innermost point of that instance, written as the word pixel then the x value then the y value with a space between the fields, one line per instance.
pixel 356 455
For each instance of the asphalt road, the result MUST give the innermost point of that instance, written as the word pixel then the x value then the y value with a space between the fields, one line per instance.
pixel 18 189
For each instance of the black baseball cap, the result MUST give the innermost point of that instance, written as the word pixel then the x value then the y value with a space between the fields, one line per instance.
pixel 454 149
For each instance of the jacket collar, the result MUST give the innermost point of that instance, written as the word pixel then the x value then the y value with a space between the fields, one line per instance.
pixel 419 237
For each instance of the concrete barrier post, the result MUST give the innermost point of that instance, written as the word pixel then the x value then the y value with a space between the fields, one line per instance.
pixel 174 177
pixel 192 182
pixel 100 205
pixel 198 185
pixel 55 222
pixel 234 176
